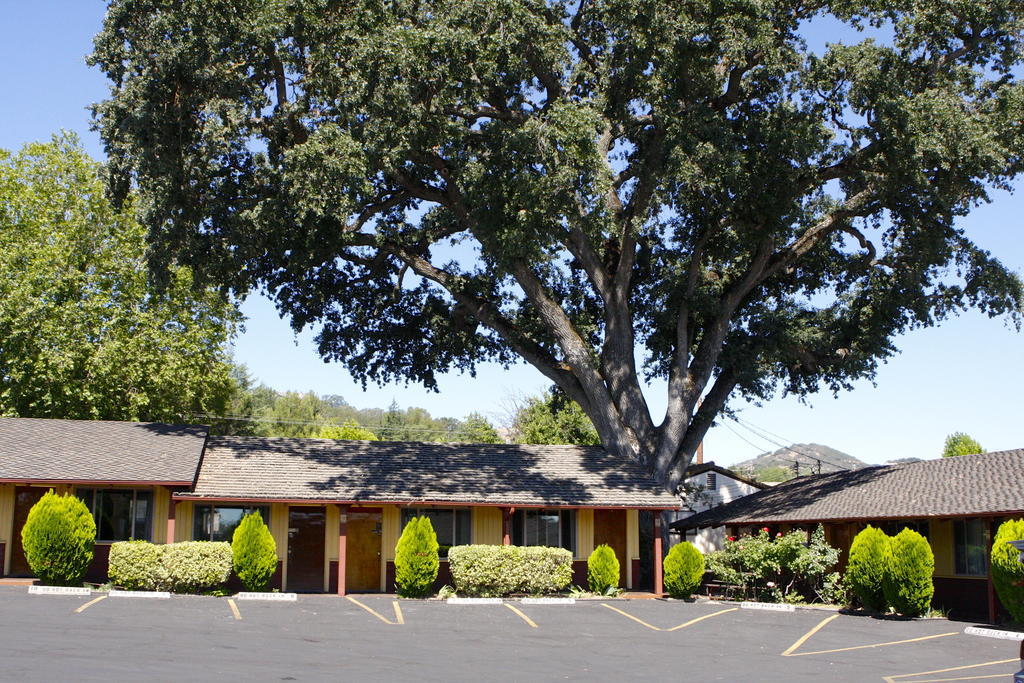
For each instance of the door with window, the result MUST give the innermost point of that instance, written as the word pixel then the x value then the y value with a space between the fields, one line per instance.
pixel 24 498
pixel 362 551
pixel 307 527
pixel 610 528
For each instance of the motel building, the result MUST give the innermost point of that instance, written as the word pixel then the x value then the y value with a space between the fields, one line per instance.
pixel 335 508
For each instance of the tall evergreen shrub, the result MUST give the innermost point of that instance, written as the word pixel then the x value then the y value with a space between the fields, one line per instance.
pixel 908 583
pixel 416 560
pixel 254 552
pixel 865 570
pixel 58 539
pixel 1007 570
pixel 602 569
pixel 684 570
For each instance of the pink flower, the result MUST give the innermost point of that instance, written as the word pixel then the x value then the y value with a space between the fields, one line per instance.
pixel 778 535
pixel 765 529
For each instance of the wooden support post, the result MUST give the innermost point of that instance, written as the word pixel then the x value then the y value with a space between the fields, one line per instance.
pixel 993 606
pixel 506 525
pixel 658 584
pixel 171 510
pixel 342 543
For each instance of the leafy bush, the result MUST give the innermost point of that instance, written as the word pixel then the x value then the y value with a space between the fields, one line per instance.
pixel 255 553
pixel 1007 570
pixel 137 565
pixel 684 569
pixel 497 570
pixel 865 570
pixel 908 576
pixel 188 567
pixel 788 567
pixel 58 538
pixel 416 561
pixel 602 569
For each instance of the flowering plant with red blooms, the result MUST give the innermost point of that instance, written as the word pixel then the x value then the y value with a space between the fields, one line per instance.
pixel 732 538
pixel 765 529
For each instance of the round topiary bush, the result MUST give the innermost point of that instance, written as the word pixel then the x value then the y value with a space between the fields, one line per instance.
pixel 865 570
pixel 908 576
pixel 684 570
pixel 58 539
pixel 1007 570
pixel 416 561
pixel 254 552
pixel 602 569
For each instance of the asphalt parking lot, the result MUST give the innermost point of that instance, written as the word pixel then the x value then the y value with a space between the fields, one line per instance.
pixel 44 638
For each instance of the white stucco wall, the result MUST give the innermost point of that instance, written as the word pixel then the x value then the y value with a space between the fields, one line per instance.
pixel 726 489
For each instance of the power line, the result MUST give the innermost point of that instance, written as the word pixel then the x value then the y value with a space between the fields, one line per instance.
pixel 325 423
pixel 754 429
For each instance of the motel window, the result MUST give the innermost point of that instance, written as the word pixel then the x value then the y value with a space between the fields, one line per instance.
pixel 920 526
pixel 120 514
pixel 969 547
pixel 552 528
pixel 218 522
pixel 452 526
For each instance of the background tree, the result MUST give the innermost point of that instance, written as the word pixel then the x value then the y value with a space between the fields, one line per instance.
pixel 555 419
pixel 347 430
pixel 959 443
pixel 607 189
pixel 82 335
pixel 478 429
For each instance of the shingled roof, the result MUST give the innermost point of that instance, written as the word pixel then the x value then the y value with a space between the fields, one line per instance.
pixel 95 450
pixel 253 468
pixel 990 483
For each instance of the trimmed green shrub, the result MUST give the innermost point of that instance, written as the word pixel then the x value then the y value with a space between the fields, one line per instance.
pixel 908 576
pixel 58 538
pixel 684 570
pixel 254 551
pixel 602 569
pixel 416 560
pixel 189 567
pixel 865 570
pixel 1007 570
pixel 137 565
pixel 497 570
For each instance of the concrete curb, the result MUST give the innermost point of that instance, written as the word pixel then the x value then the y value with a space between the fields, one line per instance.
pixel 273 597
pixel 993 633
pixel 474 601
pixel 548 601
pixel 159 595
pixel 769 606
pixel 58 590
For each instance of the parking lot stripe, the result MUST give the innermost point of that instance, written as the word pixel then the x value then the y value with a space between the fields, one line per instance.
pixel 630 616
pixel 398 612
pixel 895 677
pixel 527 619
pixel 867 647
pixel 804 637
pixel 234 609
pixel 706 616
pixel 90 604
pixel 371 611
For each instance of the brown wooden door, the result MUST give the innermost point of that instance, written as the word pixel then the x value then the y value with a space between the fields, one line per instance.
pixel 24 498
pixel 362 552
pixel 306 529
pixel 610 528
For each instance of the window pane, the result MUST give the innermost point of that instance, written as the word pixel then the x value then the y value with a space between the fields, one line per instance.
pixel 969 547
pixel 548 529
pixel 463 526
pixel 569 530
pixel 219 523
pixel 114 510
pixel 143 508
pixel 88 496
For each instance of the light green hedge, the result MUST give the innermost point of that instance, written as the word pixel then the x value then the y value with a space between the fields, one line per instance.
pixel 188 567
pixel 497 570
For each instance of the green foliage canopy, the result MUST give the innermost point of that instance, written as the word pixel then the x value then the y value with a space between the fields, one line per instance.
pixel 579 185
pixel 552 418
pixel 254 552
pixel 82 335
pixel 347 430
pixel 959 443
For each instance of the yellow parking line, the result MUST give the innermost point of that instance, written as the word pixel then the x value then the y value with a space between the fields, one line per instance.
pixel 625 614
pixel 398 612
pixel 892 679
pixel 706 616
pixel 804 637
pixel 90 604
pixel 867 647
pixel 371 611
pixel 527 619
pixel 234 609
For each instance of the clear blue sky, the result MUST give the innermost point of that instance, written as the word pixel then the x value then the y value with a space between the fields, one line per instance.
pixel 966 375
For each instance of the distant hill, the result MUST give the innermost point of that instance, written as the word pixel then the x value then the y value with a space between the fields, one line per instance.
pixel 778 465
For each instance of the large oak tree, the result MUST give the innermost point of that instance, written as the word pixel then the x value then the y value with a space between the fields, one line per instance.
pixel 610 190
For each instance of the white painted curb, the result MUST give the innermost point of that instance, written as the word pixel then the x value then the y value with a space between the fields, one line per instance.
pixel 475 601
pixel 161 595
pixel 59 590
pixel 275 597
pixel 548 601
pixel 770 606
pixel 993 633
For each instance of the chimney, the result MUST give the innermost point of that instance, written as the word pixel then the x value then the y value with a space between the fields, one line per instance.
pixel 700 453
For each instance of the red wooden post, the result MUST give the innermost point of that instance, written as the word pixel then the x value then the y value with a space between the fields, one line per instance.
pixel 342 542
pixel 993 610
pixel 506 526
pixel 171 509
pixel 658 585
